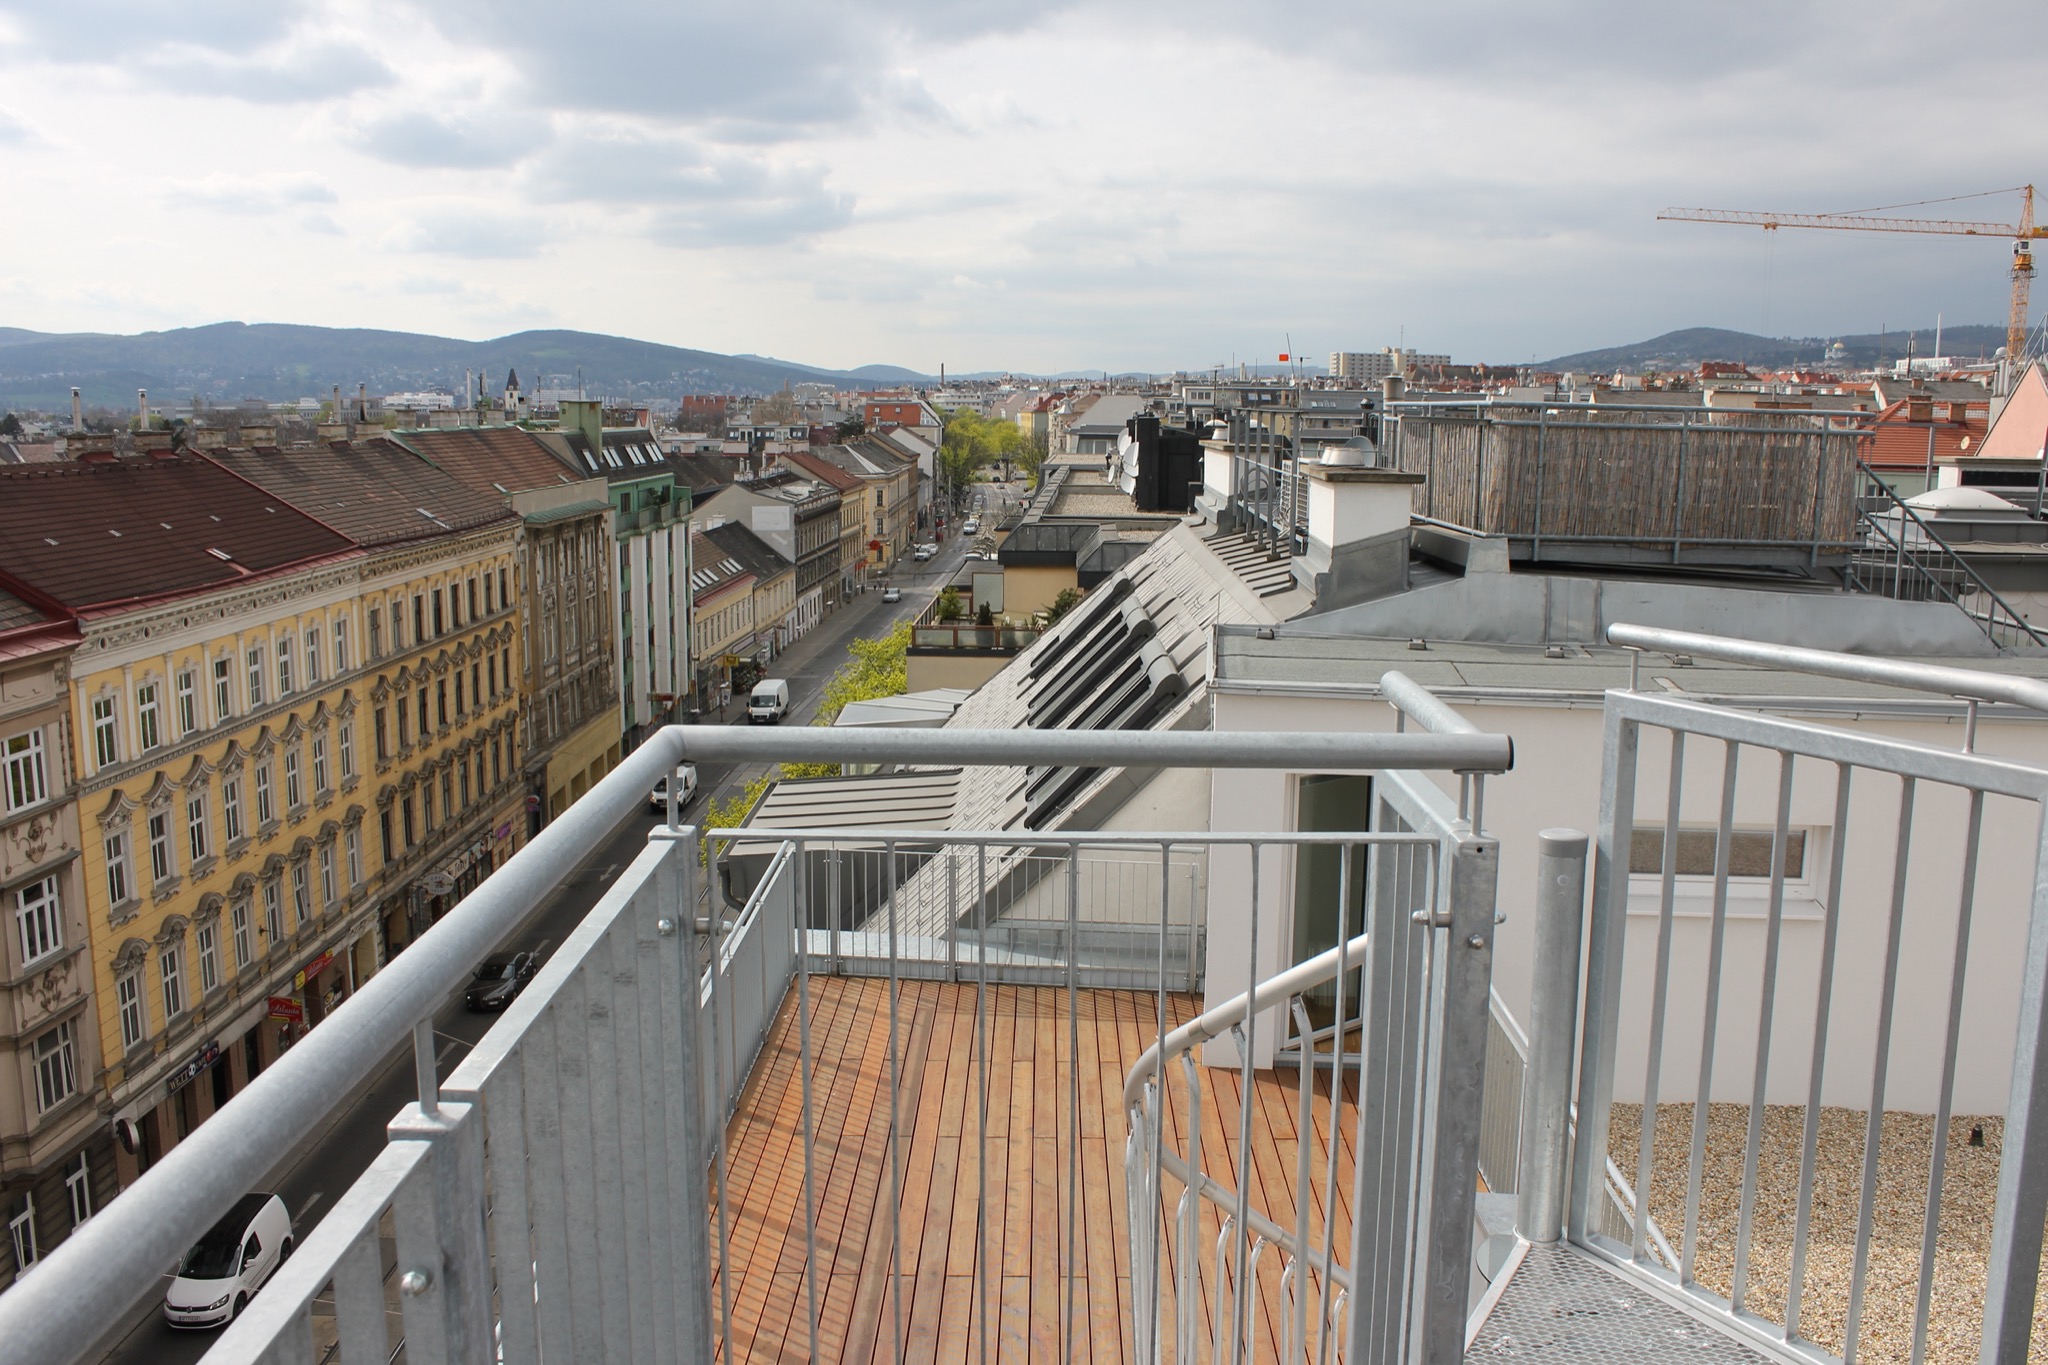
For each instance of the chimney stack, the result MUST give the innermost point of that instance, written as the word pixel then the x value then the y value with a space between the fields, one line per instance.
pixel 209 438
pixel 362 402
pixel 254 434
pixel 142 409
pixel 77 411
pixel 334 407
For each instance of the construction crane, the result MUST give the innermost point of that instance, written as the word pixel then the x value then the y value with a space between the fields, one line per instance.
pixel 2022 235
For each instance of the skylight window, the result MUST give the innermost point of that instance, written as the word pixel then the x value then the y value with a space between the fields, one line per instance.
pixel 219 554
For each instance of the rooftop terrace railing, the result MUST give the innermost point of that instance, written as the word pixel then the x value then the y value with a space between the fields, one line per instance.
pixel 1764 1059
pixel 547 1200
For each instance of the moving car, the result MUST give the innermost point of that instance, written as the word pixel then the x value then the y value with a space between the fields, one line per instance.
pixel 658 798
pixel 970 526
pixel 924 552
pixel 498 981
pixel 225 1268
pixel 892 594
pixel 769 702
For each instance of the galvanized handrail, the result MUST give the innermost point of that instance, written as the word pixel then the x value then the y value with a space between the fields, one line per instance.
pixel 1967 683
pixel 1999 616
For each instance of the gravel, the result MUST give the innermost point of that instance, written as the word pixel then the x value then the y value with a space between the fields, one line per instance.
pixel 1969 1189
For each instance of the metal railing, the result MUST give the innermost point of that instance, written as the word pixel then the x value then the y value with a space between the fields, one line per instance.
pixel 1872 920
pixel 1906 558
pixel 591 1087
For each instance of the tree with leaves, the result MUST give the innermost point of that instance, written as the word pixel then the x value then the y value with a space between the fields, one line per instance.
pixel 10 426
pixel 1064 601
pixel 874 668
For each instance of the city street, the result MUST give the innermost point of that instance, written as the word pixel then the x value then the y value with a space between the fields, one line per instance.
pixel 313 1176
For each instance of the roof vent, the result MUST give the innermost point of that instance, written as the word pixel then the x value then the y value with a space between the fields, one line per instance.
pixel 218 553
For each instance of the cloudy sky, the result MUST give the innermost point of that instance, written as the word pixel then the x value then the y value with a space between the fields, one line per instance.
pixel 1046 186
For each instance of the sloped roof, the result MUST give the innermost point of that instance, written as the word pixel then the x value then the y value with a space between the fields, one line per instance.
pixel 825 469
pixel 147 527
pixel 756 554
pixel 375 492
pixel 2017 434
pixel 503 460
pixel 1897 442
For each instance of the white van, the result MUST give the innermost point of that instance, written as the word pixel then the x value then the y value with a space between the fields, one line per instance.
pixel 769 702
pixel 225 1268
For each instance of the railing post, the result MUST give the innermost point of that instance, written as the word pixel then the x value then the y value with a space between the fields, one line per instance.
pixel 444 1270
pixel 2012 1276
pixel 1553 1028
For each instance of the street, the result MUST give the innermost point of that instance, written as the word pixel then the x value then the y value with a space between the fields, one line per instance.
pixel 315 1174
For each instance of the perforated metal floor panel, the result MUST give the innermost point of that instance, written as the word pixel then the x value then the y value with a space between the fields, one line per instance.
pixel 1561 1305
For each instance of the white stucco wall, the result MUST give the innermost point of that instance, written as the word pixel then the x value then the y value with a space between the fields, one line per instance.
pixel 1556 782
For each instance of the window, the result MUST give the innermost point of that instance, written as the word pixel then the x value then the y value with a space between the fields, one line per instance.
pixel 382 729
pixel 505 667
pixel 491 675
pixel 345 736
pixel 231 808
pixel 170 963
pixel 206 939
pixel 427 805
pixel 117 867
pixel 273 910
pixel 1749 870
pixel 56 1061
pixel 458 694
pixel 476 696
pixel 384 834
pixel 78 1185
pixel 238 925
pixel 341 644
pixel 455 606
pixel 148 723
pixel 39 920
pixel 195 825
pixel 419 618
pixel 376 632
pixel 302 894
pixel 441 703
pixel 403 726
pixel 465 785
pixel 497 759
pixel 160 865
pixel 128 1002
pixel 312 655
pixel 447 796
pixel 284 667
pixel 398 623
pixel 27 774
pixel 352 840
pixel 266 808
pixel 420 699
pixel 440 622
pixel 320 763
pixel 488 608
pixel 22 1228
pixel 223 689
pixel 294 789
pixel 504 597
pixel 255 676
pixel 411 835
pixel 472 599
pixel 329 894
pixel 188 702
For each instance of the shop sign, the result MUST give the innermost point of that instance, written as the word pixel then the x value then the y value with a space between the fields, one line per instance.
pixel 205 1058
pixel 285 1008
pixel 505 830
pixel 437 884
pixel 311 970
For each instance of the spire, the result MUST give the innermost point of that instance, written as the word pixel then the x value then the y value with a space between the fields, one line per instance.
pixel 512 381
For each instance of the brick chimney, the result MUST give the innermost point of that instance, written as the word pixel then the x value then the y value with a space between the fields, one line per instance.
pixel 1919 408
pixel 154 443
pixel 208 438
pixel 90 447
pixel 333 431
pixel 258 434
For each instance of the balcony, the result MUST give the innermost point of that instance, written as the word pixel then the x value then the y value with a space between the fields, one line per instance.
pixel 854 1094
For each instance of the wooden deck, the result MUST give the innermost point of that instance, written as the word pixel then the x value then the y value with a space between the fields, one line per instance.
pixel 1028 1160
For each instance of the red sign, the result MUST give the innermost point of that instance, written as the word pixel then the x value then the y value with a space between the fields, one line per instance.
pixel 313 969
pixel 283 1007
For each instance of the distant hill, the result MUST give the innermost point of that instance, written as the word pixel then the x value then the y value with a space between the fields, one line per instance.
pixel 1686 348
pixel 227 361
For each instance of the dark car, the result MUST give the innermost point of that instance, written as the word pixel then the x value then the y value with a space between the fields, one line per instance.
pixel 498 981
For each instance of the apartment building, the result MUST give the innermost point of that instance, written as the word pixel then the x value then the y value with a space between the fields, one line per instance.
pixel 570 727
pixel 215 701
pixel 851 549
pixel 56 1155
pixel 441 703
pixel 889 504
pixel 800 518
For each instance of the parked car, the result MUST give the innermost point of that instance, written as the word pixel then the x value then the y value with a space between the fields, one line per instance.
pixel 892 594
pixel 769 702
pixel 658 798
pixel 225 1268
pixel 499 979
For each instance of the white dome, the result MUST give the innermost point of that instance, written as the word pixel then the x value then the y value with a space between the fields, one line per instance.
pixel 1961 500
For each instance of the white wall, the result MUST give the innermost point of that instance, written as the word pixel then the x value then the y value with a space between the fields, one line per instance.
pixel 1556 781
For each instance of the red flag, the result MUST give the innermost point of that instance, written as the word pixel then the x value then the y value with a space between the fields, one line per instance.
pixel 1283 355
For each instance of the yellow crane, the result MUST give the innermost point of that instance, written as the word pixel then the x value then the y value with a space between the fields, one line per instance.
pixel 2022 235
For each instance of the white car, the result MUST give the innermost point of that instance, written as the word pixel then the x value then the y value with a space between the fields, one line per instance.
pixel 924 552
pixel 970 526
pixel 892 594
pixel 658 798
pixel 225 1268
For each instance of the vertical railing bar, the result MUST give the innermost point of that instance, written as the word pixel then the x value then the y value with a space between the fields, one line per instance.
pixel 429 1085
pixel 1304 1126
pixel 981 1083
pixel 1068 1277
pixel 1881 1054
pixel 629 1108
pixel 1717 942
pixel 1774 933
pixel 1244 1123
pixel 895 1135
pixel 1335 1136
pixel 803 1020
pixel 1660 994
pixel 714 903
pixel 1187 1269
pixel 1931 1226
pixel 1158 1133
pixel 1809 1142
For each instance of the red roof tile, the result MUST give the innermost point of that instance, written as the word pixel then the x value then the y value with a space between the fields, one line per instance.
pixel 374 492
pixel 145 527
pixel 500 460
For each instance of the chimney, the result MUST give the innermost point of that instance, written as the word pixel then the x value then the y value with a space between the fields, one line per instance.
pixel 1919 408
pixel 334 406
pixel 468 389
pixel 77 411
pixel 333 431
pixel 362 402
pixel 90 447
pixel 258 434
pixel 142 409
pixel 208 438
pixel 1358 533
pixel 156 444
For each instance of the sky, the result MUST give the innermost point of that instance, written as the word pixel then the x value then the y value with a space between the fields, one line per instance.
pixel 1116 185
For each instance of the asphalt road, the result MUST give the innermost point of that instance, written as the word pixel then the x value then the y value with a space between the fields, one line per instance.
pixel 327 1162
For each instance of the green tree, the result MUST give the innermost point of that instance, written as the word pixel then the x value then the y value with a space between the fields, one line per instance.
pixel 874 668
pixel 730 813
pixel 10 425
pixel 1031 453
pixel 1064 601
pixel 949 608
